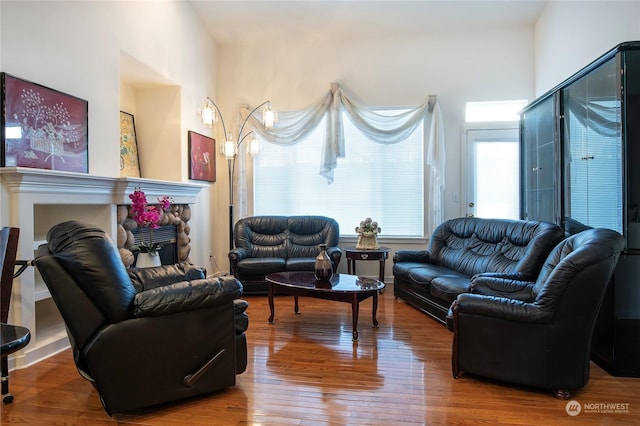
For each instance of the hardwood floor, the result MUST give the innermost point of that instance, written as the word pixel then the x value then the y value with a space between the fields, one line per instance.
pixel 305 370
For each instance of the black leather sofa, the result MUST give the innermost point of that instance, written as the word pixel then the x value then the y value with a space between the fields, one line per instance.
pixel 268 244
pixel 142 336
pixel 459 249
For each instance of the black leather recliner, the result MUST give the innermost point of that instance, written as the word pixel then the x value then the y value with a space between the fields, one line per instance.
pixel 537 333
pixel 143 336
pixel 268 244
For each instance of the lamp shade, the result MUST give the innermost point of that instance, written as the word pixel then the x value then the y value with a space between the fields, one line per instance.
pixel 254 146
pixel 269 117
pixel 229 147
pixel 207 115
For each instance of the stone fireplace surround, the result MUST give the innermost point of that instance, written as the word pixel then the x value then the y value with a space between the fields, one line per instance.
pixel 178 215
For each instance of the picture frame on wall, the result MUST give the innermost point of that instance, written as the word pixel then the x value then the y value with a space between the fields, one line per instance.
pixel 202 157
pixel 129 159
pixel 43 128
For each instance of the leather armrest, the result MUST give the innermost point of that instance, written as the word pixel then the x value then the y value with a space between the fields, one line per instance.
pixel 186 295
pixel 502 286
pixel 242 319
pixel 237 254
pixel 335 253
pixel 158 276
pixel 406 255
pixel 499 307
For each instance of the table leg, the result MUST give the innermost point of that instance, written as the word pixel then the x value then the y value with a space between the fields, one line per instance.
pixel 381 274
pixel 7 398
pixel 271 306
pixel 349 266
pixel 375 309
pixel 355 308
pixel 296 308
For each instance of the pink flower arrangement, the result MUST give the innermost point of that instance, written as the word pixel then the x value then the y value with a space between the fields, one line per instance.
pixel 147 216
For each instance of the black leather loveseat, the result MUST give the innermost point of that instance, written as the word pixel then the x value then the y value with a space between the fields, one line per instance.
pixel 462 248
pixel 267 244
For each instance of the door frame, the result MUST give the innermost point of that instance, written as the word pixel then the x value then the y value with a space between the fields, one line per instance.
pixel 465 167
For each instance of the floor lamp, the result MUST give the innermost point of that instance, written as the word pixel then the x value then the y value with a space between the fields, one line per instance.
pixel 210 114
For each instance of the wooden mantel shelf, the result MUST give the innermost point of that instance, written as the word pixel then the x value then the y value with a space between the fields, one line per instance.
pixel 114 190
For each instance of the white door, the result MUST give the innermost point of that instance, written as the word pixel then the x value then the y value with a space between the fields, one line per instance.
pixel 493 173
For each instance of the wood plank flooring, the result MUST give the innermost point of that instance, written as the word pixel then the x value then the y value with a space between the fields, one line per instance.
pixel 305 370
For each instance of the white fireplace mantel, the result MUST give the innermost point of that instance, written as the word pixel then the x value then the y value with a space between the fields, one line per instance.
pixel 34 200
pixel 117 190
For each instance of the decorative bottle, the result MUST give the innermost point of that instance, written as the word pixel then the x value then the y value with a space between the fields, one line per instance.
pixel 323 268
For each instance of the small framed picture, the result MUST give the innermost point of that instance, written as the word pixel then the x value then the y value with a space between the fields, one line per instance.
pixel 43 128
pixel 202 157
pixel 129 160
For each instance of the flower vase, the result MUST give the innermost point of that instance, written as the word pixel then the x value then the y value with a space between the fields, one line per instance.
pixel 367 241
pixel 146 260
pixel 323 269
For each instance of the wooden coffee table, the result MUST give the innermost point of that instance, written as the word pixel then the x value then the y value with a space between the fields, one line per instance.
pixel 341 288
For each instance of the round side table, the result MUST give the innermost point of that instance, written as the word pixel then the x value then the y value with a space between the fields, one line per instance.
pixel 352 254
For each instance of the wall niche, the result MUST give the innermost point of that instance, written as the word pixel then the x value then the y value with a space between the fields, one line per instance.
pixel 154 101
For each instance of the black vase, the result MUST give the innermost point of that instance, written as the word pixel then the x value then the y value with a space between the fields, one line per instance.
pixel 323 269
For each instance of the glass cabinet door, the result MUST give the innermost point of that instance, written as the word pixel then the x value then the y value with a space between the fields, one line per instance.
pixel 538 161
pixel 592 155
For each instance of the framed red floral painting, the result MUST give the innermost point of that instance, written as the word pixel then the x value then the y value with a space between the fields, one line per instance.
pixel 202 157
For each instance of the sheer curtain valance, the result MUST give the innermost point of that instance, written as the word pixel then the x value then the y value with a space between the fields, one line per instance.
pixel 294 127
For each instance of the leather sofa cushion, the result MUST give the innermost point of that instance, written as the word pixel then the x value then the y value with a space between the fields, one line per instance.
pixel 425 274
pixel 448 287
pixel 300 264
pixel 261 265
pixel 402 270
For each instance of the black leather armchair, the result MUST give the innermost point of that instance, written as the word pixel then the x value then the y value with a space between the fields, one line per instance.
pixel 142 336
pixel 537 333
pixel 268 244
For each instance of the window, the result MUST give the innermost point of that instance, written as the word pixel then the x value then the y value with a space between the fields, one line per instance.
pixel 384 182
pixel 494 111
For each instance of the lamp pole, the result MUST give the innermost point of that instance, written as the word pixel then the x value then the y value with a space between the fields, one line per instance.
pixel 231 163
pixel 230 149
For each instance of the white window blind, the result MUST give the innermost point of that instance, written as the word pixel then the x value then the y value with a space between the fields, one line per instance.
pixel 384 182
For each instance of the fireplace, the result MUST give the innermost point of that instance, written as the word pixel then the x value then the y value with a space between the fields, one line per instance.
pixel 166 236
pixel 173 234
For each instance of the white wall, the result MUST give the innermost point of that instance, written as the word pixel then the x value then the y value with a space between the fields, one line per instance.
pixel 76 47
pixel 571 34
pixel 493 64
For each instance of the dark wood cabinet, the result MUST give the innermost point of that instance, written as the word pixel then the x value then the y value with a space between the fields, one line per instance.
pixel 591 123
